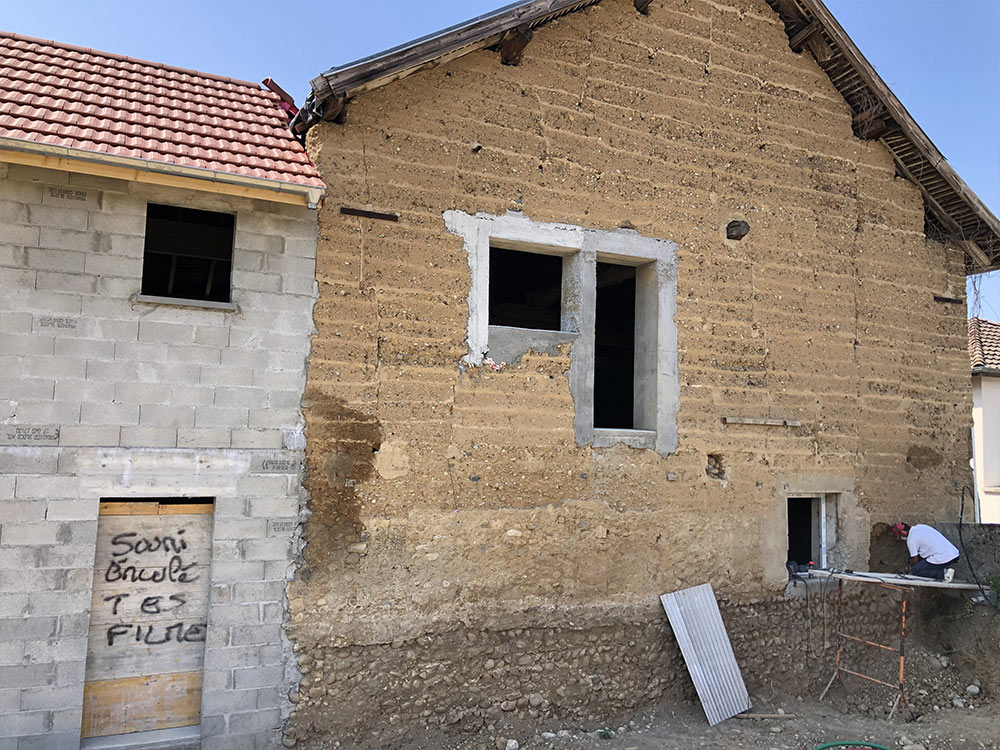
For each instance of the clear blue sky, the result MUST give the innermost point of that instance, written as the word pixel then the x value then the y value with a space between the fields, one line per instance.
pixel 940 57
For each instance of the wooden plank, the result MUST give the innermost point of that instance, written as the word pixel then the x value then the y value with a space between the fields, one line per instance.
pixel 152 508
pixel 148 616
pixel 140 704
pixel 799 38
pixel 84 166
pixel 762 421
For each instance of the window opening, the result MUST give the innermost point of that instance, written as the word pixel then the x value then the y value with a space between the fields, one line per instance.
pixel 525 289
pixel 188 253
pixel 614 351
pixel 812 528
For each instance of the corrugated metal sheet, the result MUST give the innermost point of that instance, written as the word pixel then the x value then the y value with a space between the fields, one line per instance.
pixel 697 625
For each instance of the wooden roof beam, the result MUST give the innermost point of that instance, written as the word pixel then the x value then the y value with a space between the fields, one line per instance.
pixel 798 40
pixel 642 6
pixel 973 252
pixel 512 44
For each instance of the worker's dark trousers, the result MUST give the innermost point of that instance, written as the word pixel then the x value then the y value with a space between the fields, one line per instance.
pixel 931 570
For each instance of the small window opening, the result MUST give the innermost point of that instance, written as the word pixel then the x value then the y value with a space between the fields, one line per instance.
pixel 188 253
pixel 525 289
pixel 812 529
pixel 614 350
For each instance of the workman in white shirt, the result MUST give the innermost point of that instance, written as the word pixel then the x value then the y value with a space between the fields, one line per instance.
pixel 931 555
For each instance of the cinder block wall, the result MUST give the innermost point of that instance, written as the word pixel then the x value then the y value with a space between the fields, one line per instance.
pixel 452 507
pixel 102 396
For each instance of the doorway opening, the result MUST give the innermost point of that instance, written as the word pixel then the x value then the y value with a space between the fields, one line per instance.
pixel 812 528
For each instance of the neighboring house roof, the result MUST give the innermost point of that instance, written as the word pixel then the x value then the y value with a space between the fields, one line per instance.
pixel 84 104
pixel 984 345
pixel 954 212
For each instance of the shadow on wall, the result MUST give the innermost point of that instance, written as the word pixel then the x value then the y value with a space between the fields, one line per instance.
pixel 886 554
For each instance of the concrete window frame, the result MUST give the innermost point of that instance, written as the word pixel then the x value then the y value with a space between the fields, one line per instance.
pixel 656 388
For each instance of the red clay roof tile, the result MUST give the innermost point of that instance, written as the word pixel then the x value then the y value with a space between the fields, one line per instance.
pixel 984 344
pixel 95 101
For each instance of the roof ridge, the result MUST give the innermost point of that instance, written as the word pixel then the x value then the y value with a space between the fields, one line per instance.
pixel 124 58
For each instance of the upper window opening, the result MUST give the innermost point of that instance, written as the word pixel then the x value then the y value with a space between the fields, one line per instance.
pixel 188 253
pixel 525 289
pixel 614 350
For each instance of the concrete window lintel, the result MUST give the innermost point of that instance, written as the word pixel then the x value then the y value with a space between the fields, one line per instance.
pixel 657 389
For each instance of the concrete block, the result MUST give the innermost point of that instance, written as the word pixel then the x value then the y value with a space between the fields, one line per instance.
pixel 18 279
pixel 65 556
pixel 71 672
pixel 234 571
pixel 229 701
pixel 237 375
pixel 113 265
pixel 278 569
pixel 59 217
pixel 240 397
pixel 272 654
pixel 28 675
pixel 231 507
pixel 194 395
pixel 217 336
pixel 30 388
pixel 47 487
pixel 90 435
pixel 11 653
pixel 48 412
pixel 116 371
pixel 56 650
pixel 21 234
pixel 239 528
pixel 103 413
pixel 16 534
pixel 14 212
pixel 84 390
pixel 104 184
pixel 274 506
pixel 166 333
pixel 10 701
pixel 226 551
pixel 234 615
pixel 149 437
pixel 53 281
pixel 221 416
pixel 115 223
pixel 253 721
pixel 65 261
pixel 69 740
pixel 255 677
pixel 151 415
pixel 273 418
pixel 228 658
pixel 21 511
pixel 12 343
pixel 264 243
pixel 65 719
pixel 259 591
pixel 31 366
pixel 36 699
pixel 118 330
pixel 16 322
pixel 143 393
pixel 217 680
pixel 266 439
pixel 272 548
pixel 27 722
pixel 204 437
pixel 258 282
pixel 196 355
pixel 114 286
pixel 17 460
pixel 79 509
pixel 263 485
pixel 306 287
pixel 85 348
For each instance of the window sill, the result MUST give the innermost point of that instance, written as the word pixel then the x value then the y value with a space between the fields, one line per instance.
pixel 606 438
pixel 149 299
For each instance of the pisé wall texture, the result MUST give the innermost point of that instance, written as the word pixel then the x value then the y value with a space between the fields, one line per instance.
pixel 458 531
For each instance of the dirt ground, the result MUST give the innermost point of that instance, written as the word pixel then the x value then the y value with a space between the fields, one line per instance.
pixel 810 724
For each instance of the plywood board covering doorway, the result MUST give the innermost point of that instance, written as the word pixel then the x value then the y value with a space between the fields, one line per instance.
pixel 149 616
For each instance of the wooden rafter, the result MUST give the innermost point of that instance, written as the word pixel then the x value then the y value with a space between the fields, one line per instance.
pixel 512 45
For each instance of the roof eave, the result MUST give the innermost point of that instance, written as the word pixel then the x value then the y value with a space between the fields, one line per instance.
pixel 282 192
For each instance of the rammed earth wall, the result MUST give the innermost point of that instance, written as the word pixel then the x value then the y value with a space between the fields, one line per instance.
pixel 456 519
pixel 106 397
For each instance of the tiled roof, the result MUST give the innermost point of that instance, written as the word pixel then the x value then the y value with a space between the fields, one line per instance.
pixel 984 344
pixel 60 95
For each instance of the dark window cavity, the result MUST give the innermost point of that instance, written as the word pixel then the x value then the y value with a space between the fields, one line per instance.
pixel 803 532
pixel 614 354
pixel 188 253
pixel 525 289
